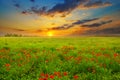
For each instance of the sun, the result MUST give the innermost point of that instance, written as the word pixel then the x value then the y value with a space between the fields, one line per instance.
pixel 50 34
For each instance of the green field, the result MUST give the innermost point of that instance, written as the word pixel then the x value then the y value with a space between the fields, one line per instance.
pixel 80 58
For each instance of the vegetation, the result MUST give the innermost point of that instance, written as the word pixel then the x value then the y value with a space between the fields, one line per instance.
pixel 12 35
pixel 84 58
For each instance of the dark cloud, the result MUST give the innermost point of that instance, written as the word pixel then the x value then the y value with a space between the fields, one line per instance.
pixel 39 11
pixel 106 31
pixel 84 21
pixel 96 4
pixel 17 5
pixel 42 30
pixel 69 5
pixel 66 7
pixel 63 27
pixel 39 30
pixel 59 28
pixel 24 12
pixel 114 30
pixel 32 0
pixel 3 28
pixel 79 22
pixel 19 29
pixel 97 24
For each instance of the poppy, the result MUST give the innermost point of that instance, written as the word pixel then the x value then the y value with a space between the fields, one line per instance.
pixel 76 77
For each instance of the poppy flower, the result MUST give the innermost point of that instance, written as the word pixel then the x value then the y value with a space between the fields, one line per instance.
pixel 42 74
pixel 57 74
pixel 52 76
pixel 42 79
pixel 7 65
pixel 65 73
pixel 115 54
pixel 76 77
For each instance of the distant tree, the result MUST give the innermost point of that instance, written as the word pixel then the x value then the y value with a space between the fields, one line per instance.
pixel 12 35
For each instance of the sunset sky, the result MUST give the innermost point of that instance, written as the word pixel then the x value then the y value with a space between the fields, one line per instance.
pixel 60 17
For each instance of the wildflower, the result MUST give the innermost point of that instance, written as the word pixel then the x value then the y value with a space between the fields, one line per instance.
pixel 57 74
pixel 46 61
pixel 52 76
pixel 46 76
pixel 107 55
pixel 7 65
pixel 92 59
pixel 42 74
pixel 65 73
pixel 115 55
pixel 42 79
pixel 102 49
pixel 19 65
pixel 76 77
pixel 98 54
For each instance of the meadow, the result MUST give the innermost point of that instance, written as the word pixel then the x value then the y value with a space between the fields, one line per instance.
pixel 77 58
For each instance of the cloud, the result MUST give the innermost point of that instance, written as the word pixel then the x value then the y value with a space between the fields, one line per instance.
pixel 66 7
pixel 79 22
pixel 97 24
pixel 19 29
pixel 113 30
pixel 84 21
pixel 38 11
pixel 25 13
pixel 106 31
pixel 32 0
pixel 69 5
pixel 10 29
pixel 42 30
pixel 63 27
pixel 97 4
pixel 17 5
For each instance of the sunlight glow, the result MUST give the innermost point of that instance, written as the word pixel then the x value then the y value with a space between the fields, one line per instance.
pixel 50 34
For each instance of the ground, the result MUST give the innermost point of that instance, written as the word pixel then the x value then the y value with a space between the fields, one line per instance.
pixel 76 58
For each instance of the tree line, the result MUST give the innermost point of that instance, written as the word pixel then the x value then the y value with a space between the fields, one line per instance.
pixel 12 35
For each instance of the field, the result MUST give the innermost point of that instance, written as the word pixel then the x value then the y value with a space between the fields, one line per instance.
pixel 80 58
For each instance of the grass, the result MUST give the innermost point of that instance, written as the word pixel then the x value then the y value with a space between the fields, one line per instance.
pixel 80 58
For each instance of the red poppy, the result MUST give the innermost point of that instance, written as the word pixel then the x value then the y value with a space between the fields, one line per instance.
pixel 76 77
pixel 7 65
pixel 42 74
pixel 52 76
pixel 107 55
pixel 46 75
pixel 92 59
pixel 115 54
pixel 65 73
pixel 46 61
pixel 57 74
pixel 98 54
pixel 45 79
pixel 40 79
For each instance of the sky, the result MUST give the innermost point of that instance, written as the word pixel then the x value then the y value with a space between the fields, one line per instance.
pixel 60 17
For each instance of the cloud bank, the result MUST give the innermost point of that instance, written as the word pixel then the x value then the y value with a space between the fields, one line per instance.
pixel 64 8
pixel 82 23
